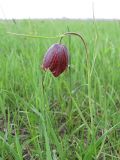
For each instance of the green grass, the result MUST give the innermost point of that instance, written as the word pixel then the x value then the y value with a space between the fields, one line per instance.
pixel 74 117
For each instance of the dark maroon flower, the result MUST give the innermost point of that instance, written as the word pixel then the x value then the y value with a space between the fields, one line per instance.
pixel 56 59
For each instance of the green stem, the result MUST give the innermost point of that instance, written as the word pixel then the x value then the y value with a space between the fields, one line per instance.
pixel 80 36
pixel 88 71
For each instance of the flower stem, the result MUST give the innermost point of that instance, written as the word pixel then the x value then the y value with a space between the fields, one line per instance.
pixel 80 36
pixel 88 72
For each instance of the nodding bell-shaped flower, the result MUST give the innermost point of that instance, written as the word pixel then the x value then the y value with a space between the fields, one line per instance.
pixel 56 59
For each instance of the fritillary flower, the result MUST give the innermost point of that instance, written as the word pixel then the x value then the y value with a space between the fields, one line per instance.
pixel 56 59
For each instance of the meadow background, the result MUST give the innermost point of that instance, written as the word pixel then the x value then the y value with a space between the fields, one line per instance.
pixel 72 117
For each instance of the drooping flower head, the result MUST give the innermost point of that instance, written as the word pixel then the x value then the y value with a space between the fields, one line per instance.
pixel 56 59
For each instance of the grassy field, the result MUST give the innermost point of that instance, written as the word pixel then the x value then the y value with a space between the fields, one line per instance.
pixel 73 117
